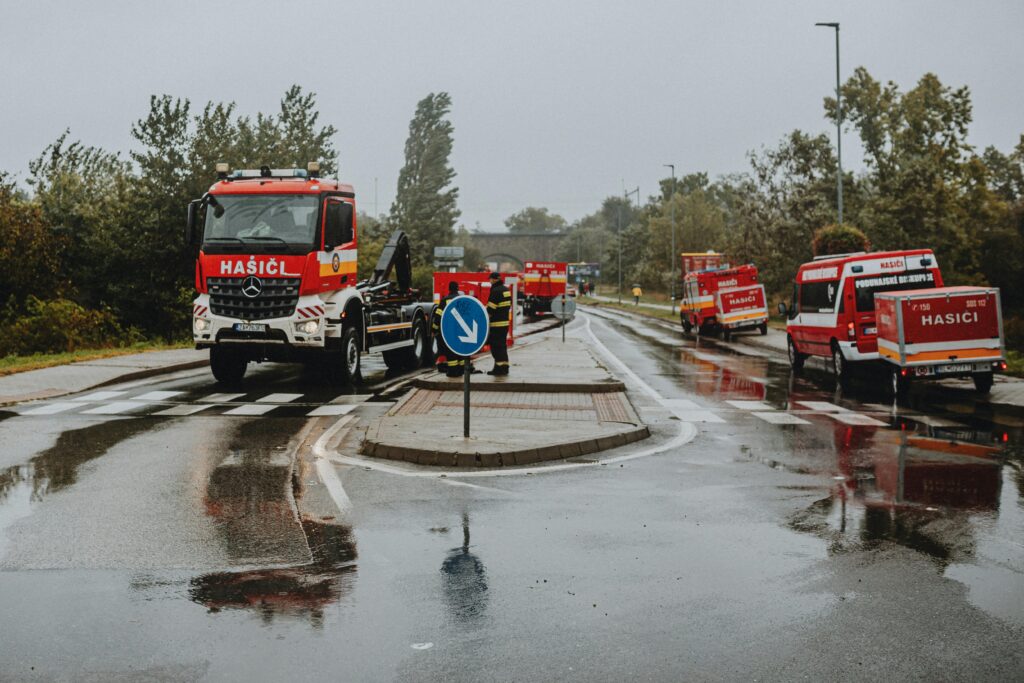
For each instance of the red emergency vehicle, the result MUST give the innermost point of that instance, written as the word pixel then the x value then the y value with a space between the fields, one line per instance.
pixel 832 312
pixel 941 332
pixel 723 300
pixel 543 281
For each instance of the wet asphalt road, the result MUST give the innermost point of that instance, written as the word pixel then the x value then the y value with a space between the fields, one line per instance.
pixel 864 541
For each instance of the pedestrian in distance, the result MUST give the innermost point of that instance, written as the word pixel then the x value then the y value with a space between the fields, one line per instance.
pixel 637 293
pixel 499 310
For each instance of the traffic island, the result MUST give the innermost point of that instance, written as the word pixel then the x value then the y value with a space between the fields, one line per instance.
pixel 559 402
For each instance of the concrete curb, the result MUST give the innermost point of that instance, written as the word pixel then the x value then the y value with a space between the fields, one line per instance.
pixel 506 458
pixel 602 387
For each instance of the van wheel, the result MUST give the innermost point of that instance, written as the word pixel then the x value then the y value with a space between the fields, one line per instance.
pixel 983 382
pixel 840 367
pixel 764 328
pixel 898 384
pixel 344 368
pixel 796 359
pixel 228 365
pixel 687 325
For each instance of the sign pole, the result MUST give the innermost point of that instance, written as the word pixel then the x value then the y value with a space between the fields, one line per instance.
pixel 563 318
pixel 465 400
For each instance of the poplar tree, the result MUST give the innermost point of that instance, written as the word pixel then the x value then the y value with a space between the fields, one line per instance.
pixel 425 203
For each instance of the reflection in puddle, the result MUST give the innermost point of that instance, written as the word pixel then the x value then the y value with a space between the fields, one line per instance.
pixel 464 581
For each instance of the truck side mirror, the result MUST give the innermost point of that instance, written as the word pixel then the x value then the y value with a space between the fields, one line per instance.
pixel 338 224
pixel 190 222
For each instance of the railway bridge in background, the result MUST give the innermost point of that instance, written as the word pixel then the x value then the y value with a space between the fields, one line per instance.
pixel 517 247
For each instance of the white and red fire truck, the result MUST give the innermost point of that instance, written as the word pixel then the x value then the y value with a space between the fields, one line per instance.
pixel 832 312
pixel 941 332
pixel 723 300
pixel 276 278
pixel 543 281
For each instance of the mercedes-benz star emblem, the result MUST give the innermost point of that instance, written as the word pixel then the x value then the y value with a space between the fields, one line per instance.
pixel 252 286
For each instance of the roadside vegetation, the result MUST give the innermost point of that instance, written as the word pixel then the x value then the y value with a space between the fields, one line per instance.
pixel 12 364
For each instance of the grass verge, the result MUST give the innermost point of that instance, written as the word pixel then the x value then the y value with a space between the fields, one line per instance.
pixel 10 365
pixel 630 308
pixel 1014 363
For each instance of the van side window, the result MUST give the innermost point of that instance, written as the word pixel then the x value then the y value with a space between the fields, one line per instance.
pixel 819 297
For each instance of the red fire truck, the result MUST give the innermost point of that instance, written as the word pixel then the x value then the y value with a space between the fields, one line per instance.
pixel 723 300
pixel 832 312
pixel 542 282
pixel 276 278
pixel 941 332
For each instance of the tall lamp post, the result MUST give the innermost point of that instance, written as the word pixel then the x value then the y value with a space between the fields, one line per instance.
pixel 672 208
pixel 839 120
pixel 625 195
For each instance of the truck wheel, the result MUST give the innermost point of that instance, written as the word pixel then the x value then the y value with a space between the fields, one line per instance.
pixel 416 355
pixel 764 328
pixel 840 367
pixel 726 334
pixel 343 368
pixel 983 382
pixel 796 359
pixel 228 365
pixel 687 327
pixel 898 384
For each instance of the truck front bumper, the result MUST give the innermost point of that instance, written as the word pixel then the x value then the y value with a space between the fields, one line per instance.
pixel 306 328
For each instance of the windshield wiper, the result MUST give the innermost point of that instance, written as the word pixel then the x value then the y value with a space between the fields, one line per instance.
pixel 224 239
pixel 268 237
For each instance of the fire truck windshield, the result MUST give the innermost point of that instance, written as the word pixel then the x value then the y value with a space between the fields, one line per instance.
pixel 265 219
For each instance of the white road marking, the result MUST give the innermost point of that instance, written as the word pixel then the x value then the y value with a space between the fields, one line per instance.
pixel 750 405
pixel 696 416
pixel 250 409
pixel 184 409
pixel 100 396
pixel 681 403
pixel 823 406
pixel 325 469
pixel 857 419
pixel 157 396
pixel 780 418
pixel 220 398
pixel 114 408
pixel 278 398
pixel 934 421
pixel 53 408
pixel 331 409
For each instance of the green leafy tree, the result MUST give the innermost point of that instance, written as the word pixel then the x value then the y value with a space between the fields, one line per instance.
pixel 425 203
pixel 534 220
pixel 29 261
pixel 839 239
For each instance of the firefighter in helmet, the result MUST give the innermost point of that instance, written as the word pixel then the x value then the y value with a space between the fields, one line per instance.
pixel 499 311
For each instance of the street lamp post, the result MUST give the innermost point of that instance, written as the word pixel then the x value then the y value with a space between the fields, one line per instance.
pixel 625 195
pixel 672 208
pixel 839 121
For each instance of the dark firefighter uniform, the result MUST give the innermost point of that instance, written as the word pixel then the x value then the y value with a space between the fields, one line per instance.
pixel 499 310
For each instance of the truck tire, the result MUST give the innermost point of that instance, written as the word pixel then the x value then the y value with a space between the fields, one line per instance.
pixel 763 327
pixel 417 355
pixel 726 334
pixel 343 367
pixel 840 366
pixel 687 325
pixel 796 359
pixel 228 365
pixel 983 382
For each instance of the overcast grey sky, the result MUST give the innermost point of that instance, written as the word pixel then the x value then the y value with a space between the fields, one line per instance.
pixel 556 104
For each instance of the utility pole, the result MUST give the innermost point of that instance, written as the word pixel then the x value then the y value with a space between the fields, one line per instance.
pixel 839 122
pixel 672 208
pixel 619 240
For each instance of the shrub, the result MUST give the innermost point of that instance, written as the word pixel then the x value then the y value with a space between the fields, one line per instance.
pixel 1013 331
pixel 59 326
pixel 839 239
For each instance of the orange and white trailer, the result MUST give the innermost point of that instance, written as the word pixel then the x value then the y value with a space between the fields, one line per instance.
pixel 741 308
pixel 941 332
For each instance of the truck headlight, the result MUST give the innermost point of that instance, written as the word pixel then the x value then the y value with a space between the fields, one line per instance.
pixel 309 327
pixel 201 325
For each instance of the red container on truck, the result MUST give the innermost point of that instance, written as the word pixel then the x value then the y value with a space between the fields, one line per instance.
pixel 941 332
pixel 542 282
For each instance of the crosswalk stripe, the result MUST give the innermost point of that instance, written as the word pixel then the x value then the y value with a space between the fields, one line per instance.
pixel 934 421
pixel 780 418
pixel 184 409
pixel 157 396
pixel 100 396
pixel 251 409
pixel 114 408
pixel 823 406
pixel 278 398
pixel 856 419
pixel 219 398
pixel 53 408
pixel 750 405
pixel 331 409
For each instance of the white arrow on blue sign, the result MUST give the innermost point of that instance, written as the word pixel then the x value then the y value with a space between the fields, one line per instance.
pixel 464 325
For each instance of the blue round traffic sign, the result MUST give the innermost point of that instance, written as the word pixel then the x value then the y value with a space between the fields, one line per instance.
pixel 464 325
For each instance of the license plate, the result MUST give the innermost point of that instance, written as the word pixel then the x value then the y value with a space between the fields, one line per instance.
pixel 250 327
pixel 870 330
pixel 955 367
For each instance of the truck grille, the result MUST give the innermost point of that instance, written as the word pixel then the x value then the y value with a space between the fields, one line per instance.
pixel 276 300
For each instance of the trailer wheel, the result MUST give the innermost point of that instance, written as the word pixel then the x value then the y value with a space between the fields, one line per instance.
pixel 344 368
pixel 840 367
pixel 764 328
pixel 898 384
pixel 796 359
pixel 228 365
pixel 983 382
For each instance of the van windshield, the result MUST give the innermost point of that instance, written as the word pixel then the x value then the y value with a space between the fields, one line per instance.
pixel 866 287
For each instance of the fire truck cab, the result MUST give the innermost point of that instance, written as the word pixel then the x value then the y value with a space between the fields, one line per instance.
pixel 832 311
